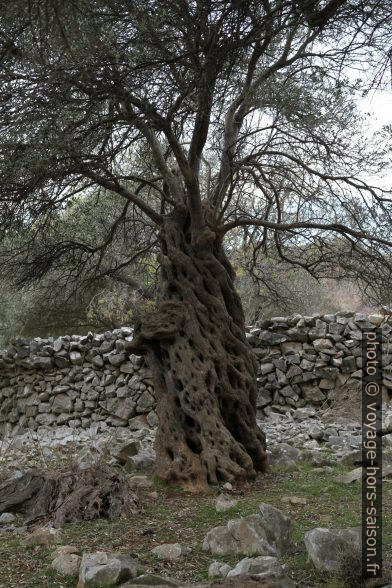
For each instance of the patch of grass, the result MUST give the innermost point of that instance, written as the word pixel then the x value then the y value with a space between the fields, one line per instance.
pixel 23 567
pixel 179 516
pixel 387 522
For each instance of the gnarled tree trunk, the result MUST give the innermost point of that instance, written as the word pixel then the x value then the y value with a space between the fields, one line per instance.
pixel 203 368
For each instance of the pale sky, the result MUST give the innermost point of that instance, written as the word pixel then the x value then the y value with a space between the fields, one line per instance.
pixel 379 106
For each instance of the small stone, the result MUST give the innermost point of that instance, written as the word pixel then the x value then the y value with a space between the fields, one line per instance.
pixel 266 534
pixel 268 338
pixel 315 431
pixel 387 424
pixel 291 348
pixel 266 368
pixel 76 358
pixel 7 518
pixel 126 450
pixel 321 344
pixel 326 384
pixel 323 470
pixel 145 402
pixel 218 570
pixel 44 363
pixel 117 359
pixel 386 441
pixel 349 441
pixel 295 500
pixel 353 476
pixel 67 564
pixel 44 536
pixel 330 432
pixel 138 422
pixel 168 551
pixel 351 457
pixel 140 482
pixel 223 503
pixel 45 419
pixel 57 345
pixel 143 461
pixel 64 549
pixel 97 360
pixel 284 455
pixel 326 547
pixel 302 414
pixel 348 364
pixel 264 397
pixel 152 419
pixel 127 368
pixel 264 567
pixel 105 569
pixel 62 404
pixel 228 487
pixel 376 319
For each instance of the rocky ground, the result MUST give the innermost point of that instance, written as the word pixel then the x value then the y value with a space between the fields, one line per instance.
pixel 295 527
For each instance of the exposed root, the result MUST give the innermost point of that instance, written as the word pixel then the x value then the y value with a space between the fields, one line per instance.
pixel 71 495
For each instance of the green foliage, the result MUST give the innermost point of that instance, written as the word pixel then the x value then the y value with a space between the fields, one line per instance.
pixel 64 300
pixel 13 304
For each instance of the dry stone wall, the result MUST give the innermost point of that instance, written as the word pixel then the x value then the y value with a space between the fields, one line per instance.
pixel 311 360
pixel 79 380
pixel 74 381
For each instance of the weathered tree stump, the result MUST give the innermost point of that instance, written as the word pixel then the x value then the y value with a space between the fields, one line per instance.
pixel 69 495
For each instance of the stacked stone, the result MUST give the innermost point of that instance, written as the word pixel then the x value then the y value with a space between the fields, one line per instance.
pixel 309 360
pixel 78 381
pixel 75 381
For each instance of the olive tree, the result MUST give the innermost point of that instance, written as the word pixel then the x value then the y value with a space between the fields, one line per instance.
pixel 196 114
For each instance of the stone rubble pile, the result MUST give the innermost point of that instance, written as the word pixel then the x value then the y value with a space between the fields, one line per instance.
pixel 302 429
pixel 80 381
pixel 56 446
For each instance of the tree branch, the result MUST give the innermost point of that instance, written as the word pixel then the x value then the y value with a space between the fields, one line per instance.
pixel 333 227
pixel 114 186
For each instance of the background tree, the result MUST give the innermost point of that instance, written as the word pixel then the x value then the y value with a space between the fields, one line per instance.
pixel 181 110
pixel 87 269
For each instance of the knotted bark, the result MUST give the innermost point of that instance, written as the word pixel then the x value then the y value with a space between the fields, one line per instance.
pixel 69 495
pixel 204 370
